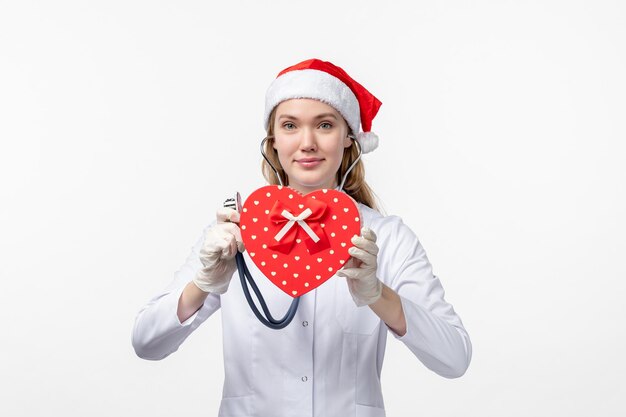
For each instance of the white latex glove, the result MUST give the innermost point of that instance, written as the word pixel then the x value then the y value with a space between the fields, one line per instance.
pixel 360 270
pixel 221 243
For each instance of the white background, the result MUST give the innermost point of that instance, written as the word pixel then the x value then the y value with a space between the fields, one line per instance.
pixel 125 124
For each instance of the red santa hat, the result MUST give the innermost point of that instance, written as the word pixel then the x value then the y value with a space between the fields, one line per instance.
pixel 330 84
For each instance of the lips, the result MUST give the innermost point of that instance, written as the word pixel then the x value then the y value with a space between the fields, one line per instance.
pixel 309 162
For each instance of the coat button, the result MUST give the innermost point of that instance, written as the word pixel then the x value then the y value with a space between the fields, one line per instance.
pixel 304 379
pixel 305 323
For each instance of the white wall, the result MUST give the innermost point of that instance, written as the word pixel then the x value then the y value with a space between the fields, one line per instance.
pixel 124 124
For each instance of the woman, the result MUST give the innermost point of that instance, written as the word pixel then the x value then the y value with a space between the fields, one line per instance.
pixel 328 361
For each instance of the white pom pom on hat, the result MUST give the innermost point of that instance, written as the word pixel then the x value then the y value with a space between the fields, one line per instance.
pixel 324 81
pixel 368 141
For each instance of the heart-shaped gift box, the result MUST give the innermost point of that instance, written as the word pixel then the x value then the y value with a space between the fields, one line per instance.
pixel 298 241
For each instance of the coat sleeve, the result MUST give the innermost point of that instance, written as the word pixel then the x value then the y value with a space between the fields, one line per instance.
pixel 157 332
pixel 435 333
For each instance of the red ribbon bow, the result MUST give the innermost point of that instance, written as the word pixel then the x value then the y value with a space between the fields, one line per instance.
pixel 299 220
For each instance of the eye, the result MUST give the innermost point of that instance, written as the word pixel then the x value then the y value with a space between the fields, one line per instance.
pixel 326 125
pixel 289 126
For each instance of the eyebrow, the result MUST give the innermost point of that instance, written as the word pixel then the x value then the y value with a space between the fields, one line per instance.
pixel 319 116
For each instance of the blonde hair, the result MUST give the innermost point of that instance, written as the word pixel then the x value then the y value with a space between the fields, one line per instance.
pixel 355 185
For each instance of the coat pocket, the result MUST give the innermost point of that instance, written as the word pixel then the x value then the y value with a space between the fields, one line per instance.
pixel 367 411
pixel 236 406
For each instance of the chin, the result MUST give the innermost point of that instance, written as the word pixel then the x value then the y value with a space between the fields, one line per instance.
pixel 310 185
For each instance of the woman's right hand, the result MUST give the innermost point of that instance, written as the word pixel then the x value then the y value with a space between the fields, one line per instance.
pixel 221 243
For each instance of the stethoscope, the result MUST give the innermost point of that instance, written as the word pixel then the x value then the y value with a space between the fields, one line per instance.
pixel 244 274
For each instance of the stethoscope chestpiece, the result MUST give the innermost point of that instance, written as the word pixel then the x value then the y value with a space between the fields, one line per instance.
pixel 233 202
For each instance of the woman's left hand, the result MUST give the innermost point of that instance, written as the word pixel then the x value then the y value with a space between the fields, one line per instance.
pixel 360 270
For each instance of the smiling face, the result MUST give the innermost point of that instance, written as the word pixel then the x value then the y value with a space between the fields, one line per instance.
pixel 310 138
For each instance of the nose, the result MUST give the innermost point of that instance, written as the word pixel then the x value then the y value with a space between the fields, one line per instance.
pixel 308 141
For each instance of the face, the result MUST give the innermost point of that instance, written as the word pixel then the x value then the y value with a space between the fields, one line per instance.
pixel 310 138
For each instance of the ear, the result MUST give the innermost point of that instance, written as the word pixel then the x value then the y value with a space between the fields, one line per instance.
pixel 347 141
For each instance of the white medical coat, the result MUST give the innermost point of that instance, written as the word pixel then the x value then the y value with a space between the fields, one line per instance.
pixel 327 362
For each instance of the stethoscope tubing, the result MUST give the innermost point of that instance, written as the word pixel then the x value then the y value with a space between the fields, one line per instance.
pixel 268 320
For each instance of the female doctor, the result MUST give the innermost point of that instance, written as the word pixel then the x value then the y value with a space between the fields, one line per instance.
pixel 328 361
